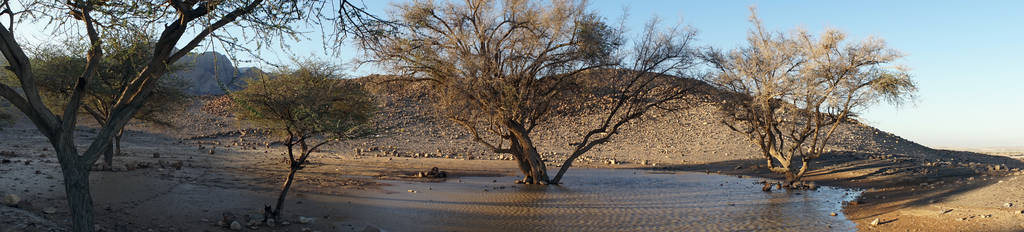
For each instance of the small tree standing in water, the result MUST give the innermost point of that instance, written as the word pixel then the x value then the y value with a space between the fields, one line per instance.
pixel 307 107
pixel 792 91
pixel 501 70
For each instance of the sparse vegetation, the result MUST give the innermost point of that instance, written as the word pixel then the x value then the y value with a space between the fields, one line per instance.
pixel 56 67
pixel 791 91
pixel 307 107
pixel 501 69
pixel 186 23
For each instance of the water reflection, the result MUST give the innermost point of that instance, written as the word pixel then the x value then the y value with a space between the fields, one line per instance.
pixel 599 200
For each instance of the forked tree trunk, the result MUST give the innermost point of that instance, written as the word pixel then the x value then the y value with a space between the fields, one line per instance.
pixel 800 174
pixel 115 149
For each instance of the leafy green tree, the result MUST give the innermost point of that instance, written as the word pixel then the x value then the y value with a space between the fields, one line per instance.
pixel 305 108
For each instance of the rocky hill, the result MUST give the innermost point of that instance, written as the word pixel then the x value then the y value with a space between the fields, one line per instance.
pixel 691 135
pixel 209 73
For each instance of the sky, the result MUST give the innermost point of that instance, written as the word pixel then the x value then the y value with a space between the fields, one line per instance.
pixel 966 56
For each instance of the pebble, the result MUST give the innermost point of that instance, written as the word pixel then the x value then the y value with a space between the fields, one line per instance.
pixel 50 210
pixel 236 226
pixel 1008 205
pixel 11 199
pixel 412 191
pixel 833 214
pixel 875 222
pixel 305 220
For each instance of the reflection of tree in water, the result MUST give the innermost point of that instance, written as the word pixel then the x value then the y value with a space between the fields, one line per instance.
pixel 606 200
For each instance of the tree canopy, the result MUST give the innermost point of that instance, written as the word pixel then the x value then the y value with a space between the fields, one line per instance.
pixel 307 107
pixel 793 90
pixel 501 69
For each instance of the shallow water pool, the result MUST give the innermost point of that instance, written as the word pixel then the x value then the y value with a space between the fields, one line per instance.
pixel 595 200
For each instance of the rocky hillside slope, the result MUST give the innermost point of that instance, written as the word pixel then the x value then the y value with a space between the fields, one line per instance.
pixel 688 136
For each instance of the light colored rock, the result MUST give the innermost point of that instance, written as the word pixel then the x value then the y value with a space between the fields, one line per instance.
pixel 833 214
pixel 1008 205
pixel 305 220
pixel 50 210
pixel 11 199
pixel 875 222
pixel 236 226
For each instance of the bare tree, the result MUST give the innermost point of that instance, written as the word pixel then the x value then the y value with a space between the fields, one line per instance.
pixel 792 91
pixel 307 107
pixel 502 69
pixel 178 22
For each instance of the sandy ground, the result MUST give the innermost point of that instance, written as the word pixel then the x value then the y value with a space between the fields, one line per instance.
pixel 907 187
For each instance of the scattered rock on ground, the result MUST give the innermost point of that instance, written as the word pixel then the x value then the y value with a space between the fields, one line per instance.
pixel 236 226
pixel 433 173
pixel 305 220
pixel 11 199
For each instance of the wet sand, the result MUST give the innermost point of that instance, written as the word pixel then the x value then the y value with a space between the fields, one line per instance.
pixel 595 200
pixel 906 186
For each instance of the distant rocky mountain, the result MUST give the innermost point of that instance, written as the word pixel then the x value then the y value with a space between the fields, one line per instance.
pixel 210 73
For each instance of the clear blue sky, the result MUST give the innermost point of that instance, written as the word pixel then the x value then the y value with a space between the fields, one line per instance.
pixel 967 56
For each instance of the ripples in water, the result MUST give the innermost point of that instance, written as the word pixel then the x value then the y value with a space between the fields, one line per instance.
pixel 600 200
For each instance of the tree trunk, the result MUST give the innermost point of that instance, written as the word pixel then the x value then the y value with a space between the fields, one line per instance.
pixel 117 143
pixel 524 166
pixel 76 183
pixel 108 159
pixel 803 170
pixel 284 192
pixel 531 158
pixel 538 172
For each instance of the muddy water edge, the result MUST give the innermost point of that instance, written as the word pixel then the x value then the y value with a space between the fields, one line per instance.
pixel 589 200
